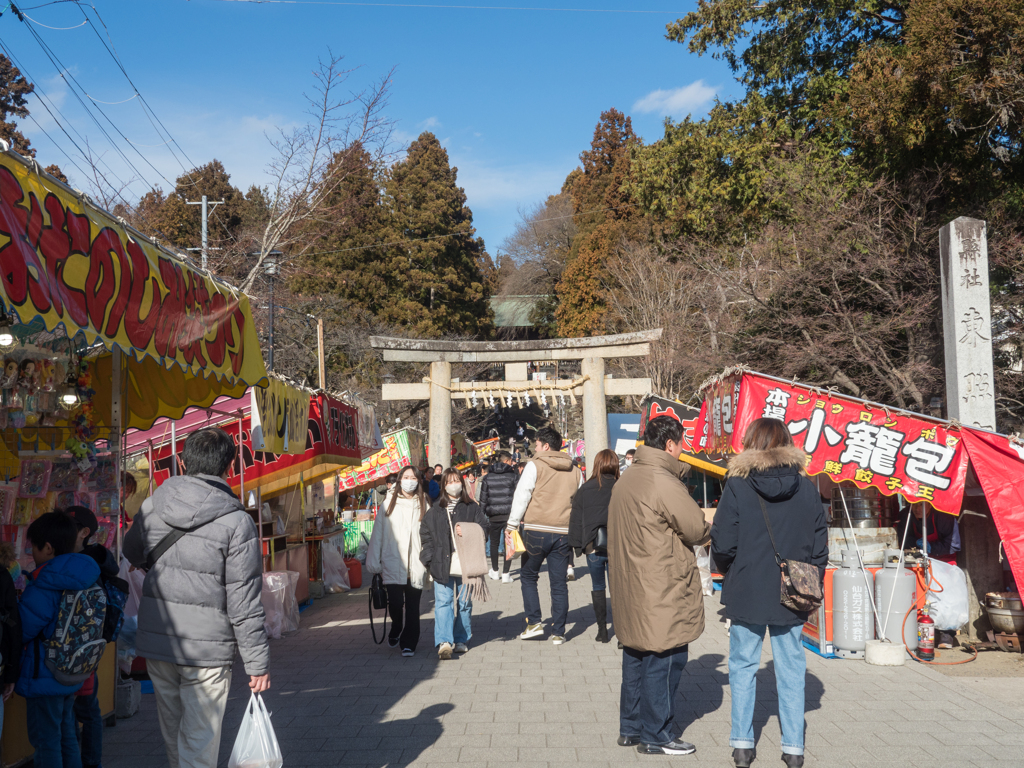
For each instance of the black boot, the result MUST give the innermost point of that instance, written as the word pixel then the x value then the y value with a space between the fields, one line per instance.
pixel 601 611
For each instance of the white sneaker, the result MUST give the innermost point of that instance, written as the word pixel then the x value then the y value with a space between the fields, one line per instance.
pixel 461 648
pixel 493 575
pixel 557 640
pixel 570 575
pixel 444 651
pixel 532 630
pixel 407 652
pixel 506 578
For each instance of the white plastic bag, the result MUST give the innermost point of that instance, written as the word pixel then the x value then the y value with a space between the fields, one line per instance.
pixel 949 608
pixel 335 570
pixel 256 744
pixel 126 651
pixel 704 565
pixel 279 602
pixel 135 579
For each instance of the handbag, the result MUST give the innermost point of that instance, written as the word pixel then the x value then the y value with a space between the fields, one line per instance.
pixel 801 582
pixel 514 546
pixel 601 541
pixel 378 601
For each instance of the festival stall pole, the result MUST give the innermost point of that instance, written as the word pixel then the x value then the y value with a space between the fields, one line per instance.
pixel 102 329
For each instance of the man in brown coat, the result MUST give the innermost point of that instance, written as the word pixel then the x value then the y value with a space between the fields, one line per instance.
pixel 657 603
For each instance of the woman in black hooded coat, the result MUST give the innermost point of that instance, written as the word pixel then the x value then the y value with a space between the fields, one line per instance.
pixel 766 479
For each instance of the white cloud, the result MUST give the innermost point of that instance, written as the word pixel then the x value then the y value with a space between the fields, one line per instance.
pixel 430 123
pixel 677 102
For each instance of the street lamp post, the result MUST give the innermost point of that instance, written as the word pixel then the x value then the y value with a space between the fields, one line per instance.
pixel 271 268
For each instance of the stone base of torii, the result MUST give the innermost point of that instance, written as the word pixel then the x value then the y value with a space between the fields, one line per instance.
pixel 593 385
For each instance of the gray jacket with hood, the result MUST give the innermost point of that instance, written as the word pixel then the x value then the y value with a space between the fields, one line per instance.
pixel 201 599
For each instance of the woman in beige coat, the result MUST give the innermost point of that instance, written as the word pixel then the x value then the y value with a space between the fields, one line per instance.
pixel 394 553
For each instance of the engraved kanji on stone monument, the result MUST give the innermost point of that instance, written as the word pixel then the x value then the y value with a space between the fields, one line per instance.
pixel 967 323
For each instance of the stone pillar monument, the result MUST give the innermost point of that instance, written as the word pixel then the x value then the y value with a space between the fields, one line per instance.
pixel 967 323
pixel 970 392
pixel 440 435
pixel 595 414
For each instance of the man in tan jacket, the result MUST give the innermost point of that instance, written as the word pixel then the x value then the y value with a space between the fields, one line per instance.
pixel 542 503
pixel 657 603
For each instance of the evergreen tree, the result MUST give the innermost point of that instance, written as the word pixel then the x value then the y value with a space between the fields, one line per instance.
pixel 434 272
pixel 604 216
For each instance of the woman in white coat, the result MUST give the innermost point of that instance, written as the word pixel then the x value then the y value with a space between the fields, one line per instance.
pixel 395 554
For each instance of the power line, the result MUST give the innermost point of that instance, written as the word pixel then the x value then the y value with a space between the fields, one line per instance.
pixel 62 71
pixel 47 103
pixel 453 7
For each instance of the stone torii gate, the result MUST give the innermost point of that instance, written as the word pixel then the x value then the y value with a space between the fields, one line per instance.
pixel 594 387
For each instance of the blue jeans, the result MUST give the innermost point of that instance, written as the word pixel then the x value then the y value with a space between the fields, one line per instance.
pixel 553 547
pixel 449 628
pixel 790 672
pixel 87 712
pixel 51 731
pixel 648 693
pixel 598 571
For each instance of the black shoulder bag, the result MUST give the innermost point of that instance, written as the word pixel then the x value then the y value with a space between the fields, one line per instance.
pixel 379 602
pixel 801 582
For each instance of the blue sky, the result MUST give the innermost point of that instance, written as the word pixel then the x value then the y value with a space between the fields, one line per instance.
pixel 513 95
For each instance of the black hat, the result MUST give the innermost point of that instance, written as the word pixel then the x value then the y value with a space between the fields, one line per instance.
pixel 83 517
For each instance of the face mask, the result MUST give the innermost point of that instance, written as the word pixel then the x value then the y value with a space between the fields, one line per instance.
pixel 409 486
pixel 454 489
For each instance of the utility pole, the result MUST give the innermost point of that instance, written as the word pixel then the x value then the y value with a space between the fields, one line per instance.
pixel 206 206
pixel 320 352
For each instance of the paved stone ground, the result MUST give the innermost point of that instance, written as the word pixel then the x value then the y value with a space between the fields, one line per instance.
pixel 339 700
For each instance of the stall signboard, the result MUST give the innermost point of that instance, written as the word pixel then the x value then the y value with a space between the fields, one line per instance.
pixel 394 456
pixel 868 445
pixel 487 448
pixel 695 431
pixel 370 441
pixel 279 415
pixel 463 452
pixel 76 266
pixel 331 444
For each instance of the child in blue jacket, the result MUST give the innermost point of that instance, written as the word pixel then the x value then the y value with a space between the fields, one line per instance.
pixel 50 705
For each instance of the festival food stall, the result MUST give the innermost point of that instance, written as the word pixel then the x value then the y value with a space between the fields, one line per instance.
pixel 283 458
pixel 402 448
pixel 100 329
pixel 485 449
pixel 866 457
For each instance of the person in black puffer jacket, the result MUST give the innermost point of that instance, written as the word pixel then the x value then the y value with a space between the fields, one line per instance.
pixel 495 496
pixel 589 513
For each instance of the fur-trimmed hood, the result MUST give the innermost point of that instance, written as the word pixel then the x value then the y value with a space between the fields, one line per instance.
pixel 774 474
pixel 743 464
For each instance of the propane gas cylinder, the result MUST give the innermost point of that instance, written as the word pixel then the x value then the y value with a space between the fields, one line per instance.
pixel 853 621
pixel 895 591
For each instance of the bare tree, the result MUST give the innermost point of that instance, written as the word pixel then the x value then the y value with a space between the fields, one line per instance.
pixel 309 163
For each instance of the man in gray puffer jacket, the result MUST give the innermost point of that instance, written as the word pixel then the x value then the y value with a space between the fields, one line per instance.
pixel 200 600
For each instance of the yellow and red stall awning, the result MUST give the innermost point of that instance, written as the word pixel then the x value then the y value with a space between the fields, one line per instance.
pixel 188 337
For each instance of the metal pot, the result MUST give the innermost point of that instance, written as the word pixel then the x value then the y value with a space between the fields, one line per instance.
pixel 1005 612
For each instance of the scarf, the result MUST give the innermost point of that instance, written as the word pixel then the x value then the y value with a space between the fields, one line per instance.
pixel 471 551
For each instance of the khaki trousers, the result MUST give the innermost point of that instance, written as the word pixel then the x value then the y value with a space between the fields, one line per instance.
pixel 190 703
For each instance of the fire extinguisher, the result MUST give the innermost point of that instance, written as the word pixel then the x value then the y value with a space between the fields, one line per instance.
pixel 925 635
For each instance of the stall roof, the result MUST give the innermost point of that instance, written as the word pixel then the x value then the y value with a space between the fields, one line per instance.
pixel 188 337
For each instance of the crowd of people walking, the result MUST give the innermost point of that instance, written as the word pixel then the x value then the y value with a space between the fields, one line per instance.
pixel 638 528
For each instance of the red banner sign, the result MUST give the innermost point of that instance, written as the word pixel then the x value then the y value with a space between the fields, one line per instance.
pixel 694 429
pixel 847 440
pixel 332 442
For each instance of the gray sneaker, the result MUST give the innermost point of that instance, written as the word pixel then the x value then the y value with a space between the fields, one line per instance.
pixel 461 648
